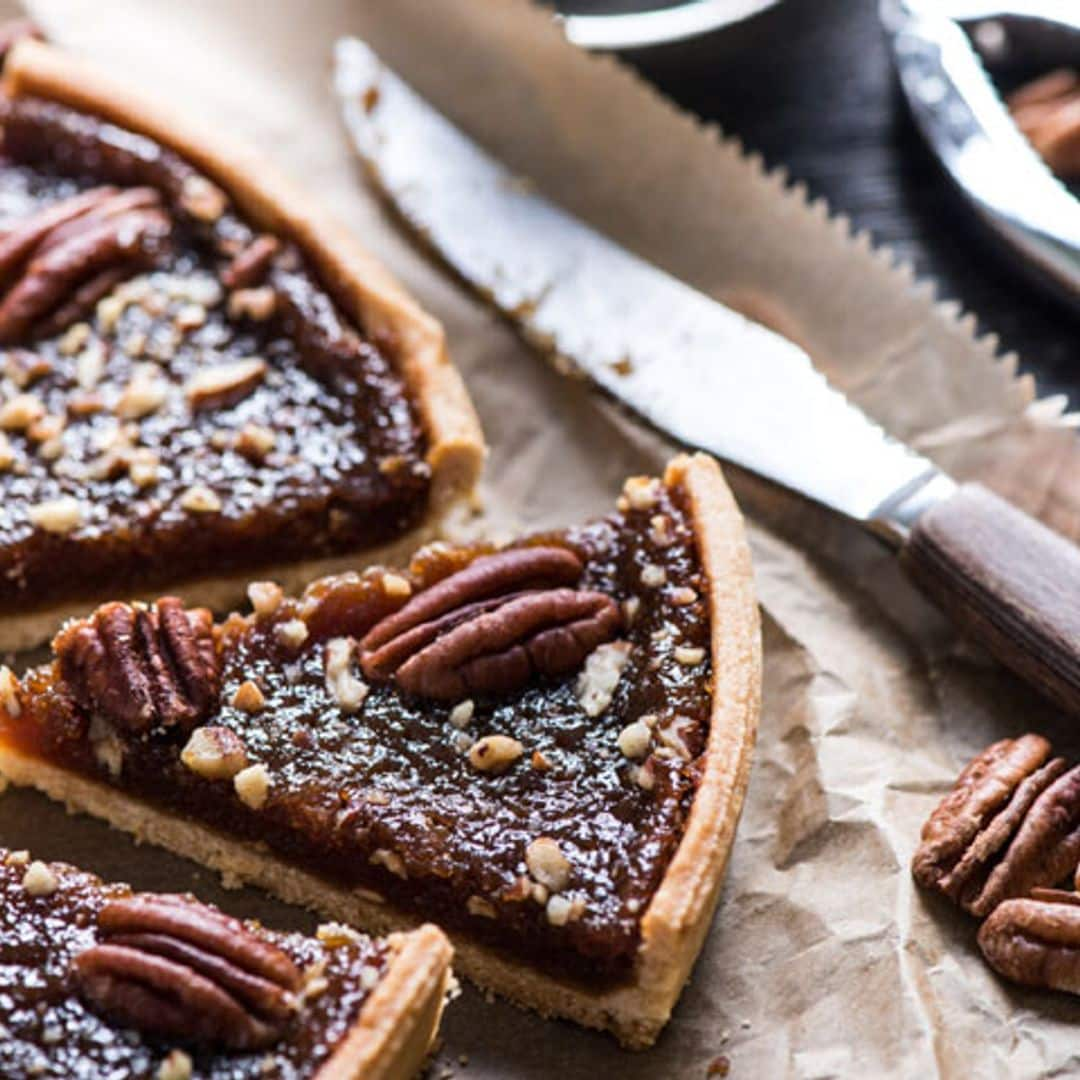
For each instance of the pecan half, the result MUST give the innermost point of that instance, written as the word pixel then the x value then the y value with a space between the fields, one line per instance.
pixel 1047 111
pixel 490 627
pixel 1010 824
pixel 142 668
pixel 63 258
pixel 971 828
pixel 1035 940
pixel 168 965
pixel 1045 849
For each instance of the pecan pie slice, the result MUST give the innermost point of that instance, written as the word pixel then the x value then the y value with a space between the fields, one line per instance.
pixel 100 981
pixel 199 375
pixel 541 747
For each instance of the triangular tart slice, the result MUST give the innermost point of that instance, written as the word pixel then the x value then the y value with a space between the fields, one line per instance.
pixel 101 981
pixel 541 747
pixel 202 378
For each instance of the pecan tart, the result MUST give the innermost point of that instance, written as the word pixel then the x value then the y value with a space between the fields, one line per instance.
pixel 97 981
pixel 199 375
pixel 542 747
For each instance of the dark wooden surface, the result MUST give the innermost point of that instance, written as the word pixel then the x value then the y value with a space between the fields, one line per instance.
pixel 810 85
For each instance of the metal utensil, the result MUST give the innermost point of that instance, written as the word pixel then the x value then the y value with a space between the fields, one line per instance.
pixel 712 379
pixel 968 126
pixel 660 26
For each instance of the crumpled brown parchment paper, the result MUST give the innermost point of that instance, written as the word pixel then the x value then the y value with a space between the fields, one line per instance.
pixel 824 960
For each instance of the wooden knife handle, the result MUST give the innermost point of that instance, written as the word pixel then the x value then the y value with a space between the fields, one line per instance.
pixel 1008 582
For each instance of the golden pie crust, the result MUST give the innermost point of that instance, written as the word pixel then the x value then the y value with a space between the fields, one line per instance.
pixel 673 926
pixel 397 1025
pixel 365 289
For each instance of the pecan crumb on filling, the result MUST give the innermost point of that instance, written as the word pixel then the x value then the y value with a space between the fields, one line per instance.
pixel 538 812
pixel 100 981
pixel 178 395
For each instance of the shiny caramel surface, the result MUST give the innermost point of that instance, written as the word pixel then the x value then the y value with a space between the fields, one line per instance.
pixel 49 1032
pixel 387 797
pixel 321 456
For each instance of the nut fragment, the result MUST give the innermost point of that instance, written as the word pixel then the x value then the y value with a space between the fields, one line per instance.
pixel 460 714
pixel 9 692
pixel 253 786
pixel 255 304
pixel 292 633
pixel 603 670
pixel 60 516
pixel 176 1065
pixel 249 697
pixel 1011 822
pixel 265 597
pixel 20 412
pixel 342 684
pixel 200 499
pixel 547 863
pixel 203 200
pixel 689 656
pixel 642 492
pixel 495 753
pixel 215 753
pixel 39 880
pixel 634 740
pixel 224 384
pixel 144 394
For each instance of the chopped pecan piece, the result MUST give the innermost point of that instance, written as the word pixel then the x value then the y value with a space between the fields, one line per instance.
pixel 249 266
pixel 142 668
pixel 490 627
pixel 1010 824
pixel 170 966
pixel 1036 940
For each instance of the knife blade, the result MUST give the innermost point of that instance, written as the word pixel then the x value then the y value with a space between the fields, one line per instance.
pixel 712 379
pixel 964 120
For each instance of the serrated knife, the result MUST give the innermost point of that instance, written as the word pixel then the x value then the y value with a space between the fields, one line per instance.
pixel 712 379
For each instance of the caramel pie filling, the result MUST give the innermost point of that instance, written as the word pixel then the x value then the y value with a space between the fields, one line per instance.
pixel 530 792
pixel 49 926
pixel 179 395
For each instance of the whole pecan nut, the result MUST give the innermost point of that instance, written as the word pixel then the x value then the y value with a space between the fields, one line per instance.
pixel 142 668
pixel 60 261
pixel 492 626
pixel 966 850
pixel 1035 940
pixel 170 966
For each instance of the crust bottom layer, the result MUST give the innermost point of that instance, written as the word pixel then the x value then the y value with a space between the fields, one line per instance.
pixel 221 593
pixel 619 1011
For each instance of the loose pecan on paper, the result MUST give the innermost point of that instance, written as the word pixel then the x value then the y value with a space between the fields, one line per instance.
pixel 140 667
pixel 1011 823
pixel 170 966
pixel 1036 940
pixel 491 627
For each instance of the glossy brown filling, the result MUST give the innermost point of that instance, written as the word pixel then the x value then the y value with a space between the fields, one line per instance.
pixel 48 1031
pixel 387 797
pixel 319 454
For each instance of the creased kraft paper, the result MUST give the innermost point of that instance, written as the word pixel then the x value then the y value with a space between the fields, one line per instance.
pixel 824 960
